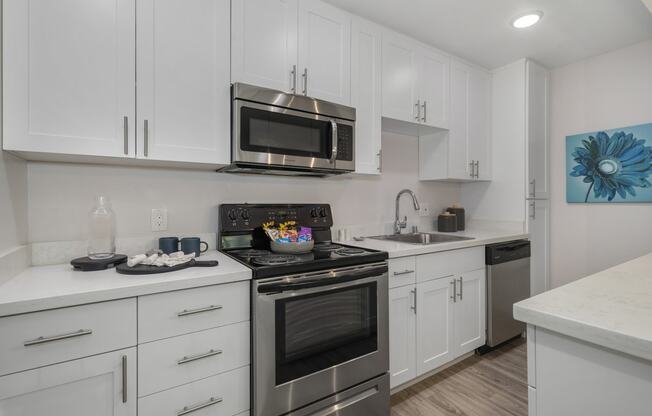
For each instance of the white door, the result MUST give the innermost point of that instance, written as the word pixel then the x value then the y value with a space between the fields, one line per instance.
pixel 539 229
pixel 366 94
pixel 324 62
pixel 88 386
pixel 183 81
pixel 538 80
pixel 458 151
pixel 470 313
pixel 434 324
pixel 433 85
pixel 68 76
pixel 480 122
pixel 264 43
pixel 399 77
pixel 402 334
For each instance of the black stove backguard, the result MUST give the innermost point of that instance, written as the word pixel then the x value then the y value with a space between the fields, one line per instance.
pixel 240 225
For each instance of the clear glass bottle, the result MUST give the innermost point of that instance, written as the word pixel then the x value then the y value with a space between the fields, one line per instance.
pixel 101 230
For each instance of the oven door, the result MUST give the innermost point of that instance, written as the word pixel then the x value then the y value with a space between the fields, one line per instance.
pixel 276 136
pixel 318 334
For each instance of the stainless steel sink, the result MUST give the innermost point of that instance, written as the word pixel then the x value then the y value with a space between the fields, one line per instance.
pixel 421 238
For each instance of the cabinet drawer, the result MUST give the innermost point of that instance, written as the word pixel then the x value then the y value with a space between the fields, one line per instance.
pixel 181 312
pixel 449 263
pixel 226 394
pixel 402 271
pixel 41 338
pixel 179 360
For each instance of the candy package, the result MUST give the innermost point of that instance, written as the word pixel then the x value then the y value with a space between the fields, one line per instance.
pixel 287 232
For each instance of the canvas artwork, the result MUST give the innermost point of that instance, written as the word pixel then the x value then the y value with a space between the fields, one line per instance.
pixel 610 166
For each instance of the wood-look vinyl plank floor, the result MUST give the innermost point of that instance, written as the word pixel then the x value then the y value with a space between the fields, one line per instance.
pixel 494 384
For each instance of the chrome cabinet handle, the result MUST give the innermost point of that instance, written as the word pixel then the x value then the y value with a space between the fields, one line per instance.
pixel 334 138
pixel 406 271
pixel 533 206
pixel 293 79
pixel 418 106
pixel 187 312
pixel 380 160
pixel 305 81
pixel 533 184
pixel 124 379
pixel 414 305
pixel 472 164
pixel 477 169
pixel 189 359
pixel 43 340
pixel 146 137
pixel 461 295
pixel 189 409
pixel 125 128
pixel 425 117
pixel 454 295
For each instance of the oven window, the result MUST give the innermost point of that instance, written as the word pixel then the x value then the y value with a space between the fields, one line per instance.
pixel 270 132
pixel 320 330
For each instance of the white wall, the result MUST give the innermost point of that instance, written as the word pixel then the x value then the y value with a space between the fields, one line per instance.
pixel 60 195
pixel 13 202
pixel 502 199
pixel 609 91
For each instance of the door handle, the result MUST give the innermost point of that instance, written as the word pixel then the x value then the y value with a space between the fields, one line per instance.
pixel 124 379
pixel 533 206
pixel 454 296
pixel 414 305
pixel 472 164
pixel 190 409
pixel 43 340
pixel 125 133
pixel 146 137
pixel 418 106
pixel 293 79
pixel 189 359
pixel 305 81
pixel 461 295
pixel 477 169
pixel 533 183
pixel 425 117
pixel 187 312
pixel 380 160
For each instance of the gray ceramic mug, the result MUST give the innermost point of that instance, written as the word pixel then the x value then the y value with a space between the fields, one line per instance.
pixel 193 245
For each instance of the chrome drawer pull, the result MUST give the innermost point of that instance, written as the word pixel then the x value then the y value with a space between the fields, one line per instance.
pixel 43 340
pixel 124 379
pixel 187 312
pixel 461 294
pixel 403 272
pixel 192 358
pixel 190 409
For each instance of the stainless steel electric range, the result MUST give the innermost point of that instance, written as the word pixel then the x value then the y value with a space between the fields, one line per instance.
pixel 319 320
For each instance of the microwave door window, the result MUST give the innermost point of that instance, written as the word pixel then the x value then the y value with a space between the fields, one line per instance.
pixel 318 331
pixel 278 133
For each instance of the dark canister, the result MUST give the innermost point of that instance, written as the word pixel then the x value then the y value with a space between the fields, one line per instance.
pixel 447 222
pixel 460 214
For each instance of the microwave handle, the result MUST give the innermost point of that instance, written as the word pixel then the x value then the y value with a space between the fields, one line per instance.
pixel 333 141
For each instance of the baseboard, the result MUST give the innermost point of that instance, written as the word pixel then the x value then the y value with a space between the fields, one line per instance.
pixel 13 262
pixel 431 373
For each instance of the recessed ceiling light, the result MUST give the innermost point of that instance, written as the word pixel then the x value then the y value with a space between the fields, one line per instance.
pixel 527 20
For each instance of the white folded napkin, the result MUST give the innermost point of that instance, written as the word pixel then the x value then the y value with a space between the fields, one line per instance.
pixel 160 260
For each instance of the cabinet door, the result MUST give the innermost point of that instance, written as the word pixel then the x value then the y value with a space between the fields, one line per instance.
pixel 434 324
pixel 399 78
pixel 89 386
pixel 480 122
pixel 470 321
pixel 264 43
pixel 324 52
pixel 68 76
pixel 402 334
pixel 538 79
pixel 183 81
pixel 539 229
pixel 366 94
pixel 433 87
pixel 458 142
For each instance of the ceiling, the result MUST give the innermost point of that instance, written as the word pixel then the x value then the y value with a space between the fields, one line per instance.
pixel 480 30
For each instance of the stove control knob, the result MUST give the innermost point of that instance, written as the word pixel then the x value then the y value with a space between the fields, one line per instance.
pixel 322 212
pixel 313 213
pixel 232 215
pixel 245 214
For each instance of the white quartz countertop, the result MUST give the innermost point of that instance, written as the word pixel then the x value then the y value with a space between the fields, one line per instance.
pixel 481 237
pixel 48 287
pixel 612 308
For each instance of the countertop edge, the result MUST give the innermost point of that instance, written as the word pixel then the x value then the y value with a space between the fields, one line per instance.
pixel 417 250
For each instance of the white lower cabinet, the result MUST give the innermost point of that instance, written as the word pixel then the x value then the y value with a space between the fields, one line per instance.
pixel 436 321
pixel 101 385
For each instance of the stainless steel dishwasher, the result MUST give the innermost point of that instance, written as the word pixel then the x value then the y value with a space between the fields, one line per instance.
pixel 508 282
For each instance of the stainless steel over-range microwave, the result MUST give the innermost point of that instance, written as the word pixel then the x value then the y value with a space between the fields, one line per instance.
pixel 279 133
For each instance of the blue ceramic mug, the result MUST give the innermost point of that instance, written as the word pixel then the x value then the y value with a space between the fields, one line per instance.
pixel 168 244
pixel 193 245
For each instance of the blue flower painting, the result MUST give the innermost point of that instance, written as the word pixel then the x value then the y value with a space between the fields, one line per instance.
pixel 610 166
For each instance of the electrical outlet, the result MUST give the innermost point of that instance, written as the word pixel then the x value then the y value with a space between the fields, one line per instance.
pixel 425 210
pixel 159 219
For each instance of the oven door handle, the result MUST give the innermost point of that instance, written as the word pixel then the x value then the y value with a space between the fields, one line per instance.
pixel 325 280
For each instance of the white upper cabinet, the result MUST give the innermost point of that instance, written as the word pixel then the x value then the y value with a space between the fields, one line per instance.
pixel 264 43
pixel 303 47
pixel 324 52
pixel 433 87
pixel 399 78
pixel 366 94
pixel 183 90
pixel 68 77
pixel 479 127
pixel 459 165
